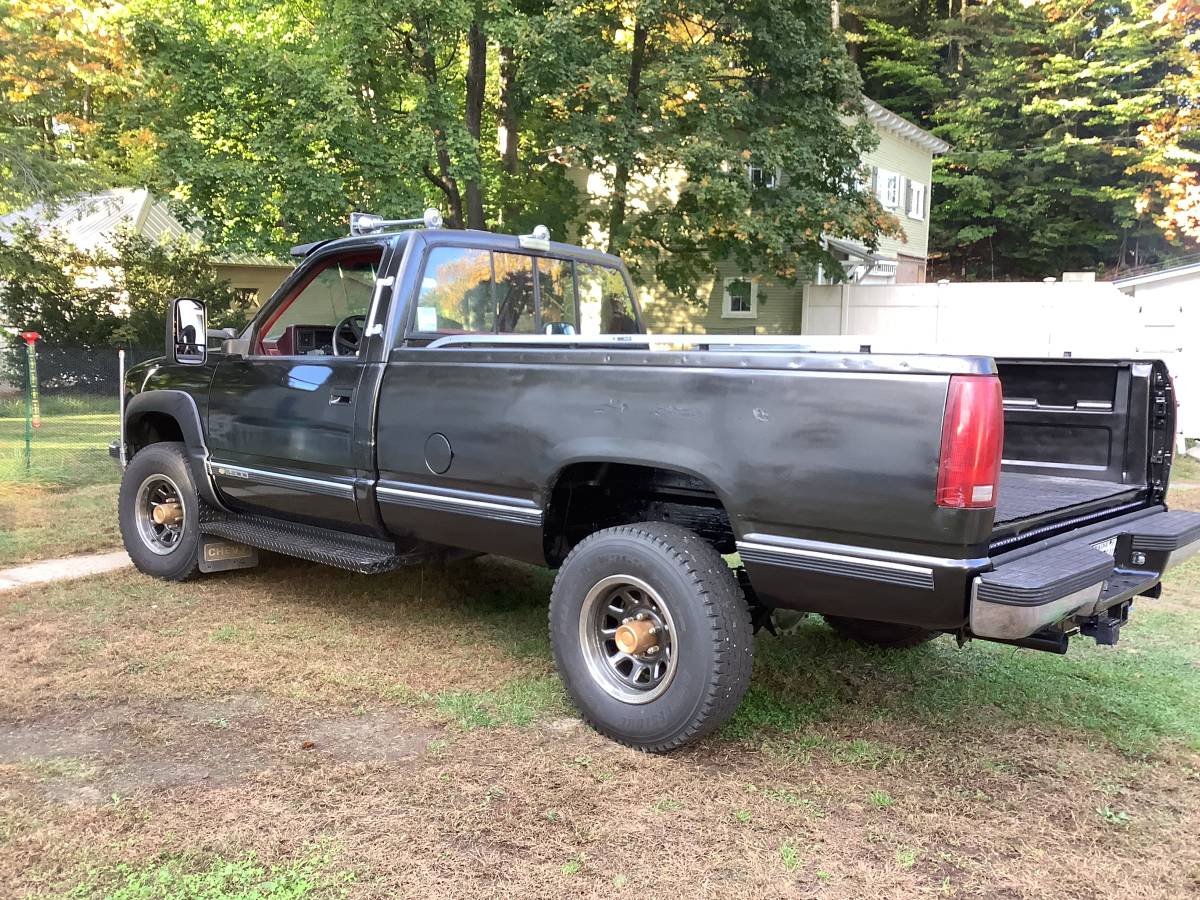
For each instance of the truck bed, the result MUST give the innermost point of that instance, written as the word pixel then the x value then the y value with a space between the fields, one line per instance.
pixel 1081 438
pixel 1026 496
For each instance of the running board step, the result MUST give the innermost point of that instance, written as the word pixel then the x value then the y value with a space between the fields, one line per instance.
pixel 367 555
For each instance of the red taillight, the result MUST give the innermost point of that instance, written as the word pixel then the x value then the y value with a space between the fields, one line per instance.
pixel 972 442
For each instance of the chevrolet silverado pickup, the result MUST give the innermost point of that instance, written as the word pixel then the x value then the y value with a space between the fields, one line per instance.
pixel 421 394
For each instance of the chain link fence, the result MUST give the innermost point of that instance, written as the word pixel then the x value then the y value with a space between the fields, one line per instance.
pixel 58 417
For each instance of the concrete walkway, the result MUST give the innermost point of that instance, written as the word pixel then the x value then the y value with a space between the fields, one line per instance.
pixel 62 569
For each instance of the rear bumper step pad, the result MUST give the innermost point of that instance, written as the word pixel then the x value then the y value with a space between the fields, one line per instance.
pixel 1176 533
pixel 1023 596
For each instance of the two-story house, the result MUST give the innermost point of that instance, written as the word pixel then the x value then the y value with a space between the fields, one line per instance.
pixel 900 171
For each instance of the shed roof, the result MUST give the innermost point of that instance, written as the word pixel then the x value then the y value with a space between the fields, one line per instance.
pixel 1170 273
pixel 93 220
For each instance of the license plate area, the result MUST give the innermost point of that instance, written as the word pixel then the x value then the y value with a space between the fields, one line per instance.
pixel 1107 546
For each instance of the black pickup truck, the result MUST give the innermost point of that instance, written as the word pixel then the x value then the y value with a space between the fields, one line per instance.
pixel 426 393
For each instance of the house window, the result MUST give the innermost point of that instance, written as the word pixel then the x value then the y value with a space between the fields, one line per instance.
pixel 916 200
pixel 887 188
pixel 762 178
pixel 741 299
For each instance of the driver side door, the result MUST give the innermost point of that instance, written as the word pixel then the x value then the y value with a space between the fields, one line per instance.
pixel 282 418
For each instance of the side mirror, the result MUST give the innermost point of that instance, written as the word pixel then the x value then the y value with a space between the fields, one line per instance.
pixel 187 332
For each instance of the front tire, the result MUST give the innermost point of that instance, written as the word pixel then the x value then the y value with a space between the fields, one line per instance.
pixel 880 634
pixel 651 635
pixel 159 513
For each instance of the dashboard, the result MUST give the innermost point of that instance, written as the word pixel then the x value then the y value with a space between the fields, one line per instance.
pixel 301 340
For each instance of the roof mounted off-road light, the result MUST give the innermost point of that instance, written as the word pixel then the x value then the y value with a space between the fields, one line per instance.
pixel 368 223
pixel 539 239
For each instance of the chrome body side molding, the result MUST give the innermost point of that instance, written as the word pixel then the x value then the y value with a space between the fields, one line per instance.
pixel 486 506
pixel 327 486
pixel 901 569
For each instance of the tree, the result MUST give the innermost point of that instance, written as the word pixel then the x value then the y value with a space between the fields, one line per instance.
pixel 1057 113
pixel 110 296
pixel 1171 136
pixel 63 71
pixel 677 101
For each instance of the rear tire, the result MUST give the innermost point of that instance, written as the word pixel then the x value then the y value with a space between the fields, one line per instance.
pixel 160 475
pixel 690 665
pixel 880 634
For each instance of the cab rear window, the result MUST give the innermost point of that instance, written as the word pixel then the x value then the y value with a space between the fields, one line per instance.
pixel 465 290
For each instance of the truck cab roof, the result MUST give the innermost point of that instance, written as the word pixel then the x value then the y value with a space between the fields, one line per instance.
pixel 484 240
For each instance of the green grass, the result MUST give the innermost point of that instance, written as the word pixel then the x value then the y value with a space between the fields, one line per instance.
pixel 1184 468
pixel 70 446
pixel 1135 695
pixel 13 407
pixel 519 702
pixel 244 878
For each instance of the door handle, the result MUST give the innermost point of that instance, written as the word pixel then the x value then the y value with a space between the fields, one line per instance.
pixel 341 398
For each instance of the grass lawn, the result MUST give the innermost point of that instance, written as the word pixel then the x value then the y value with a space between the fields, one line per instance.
pixel 70 447
pixel 295 731
pixel 65 501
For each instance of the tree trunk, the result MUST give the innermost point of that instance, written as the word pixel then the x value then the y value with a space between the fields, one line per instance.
pixel 620 188
pixel 476 84
pixel 509 117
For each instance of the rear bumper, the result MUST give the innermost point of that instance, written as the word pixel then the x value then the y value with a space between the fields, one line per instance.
pixel 1023 595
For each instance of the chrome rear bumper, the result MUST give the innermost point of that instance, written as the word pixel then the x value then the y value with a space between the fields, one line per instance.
pixel 1025 595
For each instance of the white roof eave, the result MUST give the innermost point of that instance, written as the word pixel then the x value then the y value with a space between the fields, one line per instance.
pixel 886 119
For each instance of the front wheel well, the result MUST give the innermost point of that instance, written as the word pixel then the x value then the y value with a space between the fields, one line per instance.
pixel 152 428
pixel 590 496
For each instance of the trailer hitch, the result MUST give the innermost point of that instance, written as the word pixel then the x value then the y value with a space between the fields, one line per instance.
pixel 1105 628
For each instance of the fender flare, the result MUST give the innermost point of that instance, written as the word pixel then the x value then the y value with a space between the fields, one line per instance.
pixel 181 407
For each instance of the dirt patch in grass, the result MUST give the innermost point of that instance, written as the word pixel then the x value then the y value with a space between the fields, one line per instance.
pixel 405 736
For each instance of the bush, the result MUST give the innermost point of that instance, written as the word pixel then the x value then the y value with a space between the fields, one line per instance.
pixel 108 297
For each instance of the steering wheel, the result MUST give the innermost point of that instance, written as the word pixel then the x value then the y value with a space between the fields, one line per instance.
pixel 348 334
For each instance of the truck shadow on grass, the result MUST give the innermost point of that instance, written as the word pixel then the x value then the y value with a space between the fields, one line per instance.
pixel 1133 696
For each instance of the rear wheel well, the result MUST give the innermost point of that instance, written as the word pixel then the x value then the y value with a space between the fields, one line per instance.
pixel 152 428
pixel 590 496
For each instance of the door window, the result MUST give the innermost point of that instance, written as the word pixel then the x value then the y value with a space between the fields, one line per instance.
pixel 325 314
pixel 456 292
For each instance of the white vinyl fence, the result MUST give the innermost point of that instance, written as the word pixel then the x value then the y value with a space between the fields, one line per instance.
pixel 1080 319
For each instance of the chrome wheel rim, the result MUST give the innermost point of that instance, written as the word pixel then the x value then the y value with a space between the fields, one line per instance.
pixel 628 671
pixel 160 514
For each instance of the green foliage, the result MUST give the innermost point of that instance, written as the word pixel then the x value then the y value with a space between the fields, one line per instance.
pixel 105 297
pixel 244 878
pixel 1057 113
pixel 63 75
pixel 674 103
pixel 269 123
